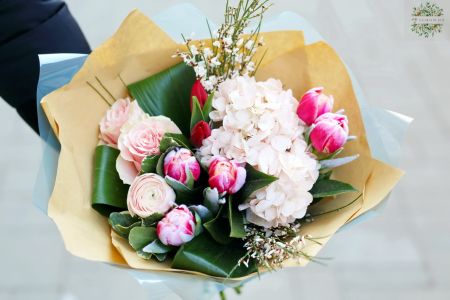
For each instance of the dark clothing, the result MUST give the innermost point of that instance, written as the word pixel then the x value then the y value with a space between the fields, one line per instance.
pixel 29 28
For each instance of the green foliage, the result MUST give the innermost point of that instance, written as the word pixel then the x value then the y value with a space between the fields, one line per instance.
pixel 254 181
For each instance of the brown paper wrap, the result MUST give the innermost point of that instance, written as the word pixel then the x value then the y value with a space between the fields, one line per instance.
pixel 136 51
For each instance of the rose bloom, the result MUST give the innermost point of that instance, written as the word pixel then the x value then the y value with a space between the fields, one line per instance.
pixel 226 176
pixel 177 227
pixel 149 194
pixel 178 162
pixel 113 120
pixel 139 138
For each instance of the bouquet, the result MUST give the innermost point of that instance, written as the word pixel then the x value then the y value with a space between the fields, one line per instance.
pixel 221 158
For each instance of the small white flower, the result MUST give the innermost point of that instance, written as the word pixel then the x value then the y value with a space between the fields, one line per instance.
pixel 227 41
pixel 217 44
pixel 249 44
pixel 215 61
pixel 240 42
pixel 194 50
pixel 207 52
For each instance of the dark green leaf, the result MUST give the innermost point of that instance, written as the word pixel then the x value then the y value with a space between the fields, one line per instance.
pixel 198 224
pixel 204 255
pixel 168 94
pixel 219 227
pixel 141 236
pixel 197 114
pixel 325 175
pixel 184 194
pixel 156 247
pixel 160 166
pixel 149 164
pixel 109 193
pixel 254 181
pixel 236 219
pixel 152 219
pixel 144 255
pixel 204 213
pixel 161 256
pixel 329 187
pixel 171 140
pixel 123 222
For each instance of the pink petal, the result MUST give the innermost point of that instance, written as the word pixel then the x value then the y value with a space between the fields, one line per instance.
pixel 126 169
pixel 241 174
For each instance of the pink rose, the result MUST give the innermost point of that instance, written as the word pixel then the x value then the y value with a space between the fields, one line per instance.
pixel 314 104
pixel 199 132
pixel 226 176
pixel 149 194
pixel 177 227
pixel 177 163
pixel 329 133
pixel 113 120
pixel 139 138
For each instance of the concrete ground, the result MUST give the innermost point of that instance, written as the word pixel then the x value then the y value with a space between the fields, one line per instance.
pixel 401 254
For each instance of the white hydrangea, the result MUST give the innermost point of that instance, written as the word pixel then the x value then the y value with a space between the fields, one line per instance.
pixel 260 127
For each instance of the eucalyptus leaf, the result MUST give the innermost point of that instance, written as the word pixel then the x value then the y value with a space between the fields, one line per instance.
pixel 161 256
pixel 254 181
pixel 236 219
pixel 122 223
pixel 329 187
pixel 337 162
pixel 211 199
pixel 204 255
pixel 109 193
pixel 149 164
pixel 197 114
pixel 152 219
pixel 141 236
pixel 144 255
pixel 167 93
pixel 204 213
pixel 157 247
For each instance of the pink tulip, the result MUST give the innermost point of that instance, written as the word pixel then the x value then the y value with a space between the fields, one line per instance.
pixel 177 163
pixel 329 133
pixel 199 91
pixel 226 176
pixel 314 104
pixel 199 132
pixel 177 227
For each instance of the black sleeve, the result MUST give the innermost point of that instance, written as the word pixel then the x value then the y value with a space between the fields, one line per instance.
pixel 29 28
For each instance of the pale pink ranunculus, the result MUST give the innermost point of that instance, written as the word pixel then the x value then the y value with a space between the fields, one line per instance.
pixel 177 227
pixel 149 194
pixel 139 138
pixel 329 133
pixel 178 162
pixel 113 120
pixel 313 104
pixel 226 175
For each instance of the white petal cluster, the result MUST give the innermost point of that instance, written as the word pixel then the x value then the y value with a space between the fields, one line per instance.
pixel 260 127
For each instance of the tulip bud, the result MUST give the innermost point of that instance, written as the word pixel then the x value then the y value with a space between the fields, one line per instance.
pixel 329 133
pixel 199 132
pixel 199 91
pixel 226 176
pixel 314 104
pixel 177 227
pixel 178 162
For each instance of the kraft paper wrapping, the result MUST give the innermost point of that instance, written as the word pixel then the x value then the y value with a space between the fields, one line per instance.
pixel 136 51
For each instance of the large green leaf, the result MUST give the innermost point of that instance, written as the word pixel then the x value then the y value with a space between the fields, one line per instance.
pixel 328 187
pixel 141 236
pixel 204 255
pixel 185 195
pixel 167 93
pixel 236 219
pixel 254 181
pixel 109 193
pixel 197 113
pixel 219 227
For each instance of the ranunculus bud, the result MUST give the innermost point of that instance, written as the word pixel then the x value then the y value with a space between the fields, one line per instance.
pixel 177 227
pixel 314 104
pixel 226 176
pixel 199 132
pixel 199 91
pixel 329 133
pixel 177 163
pixel 149 194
